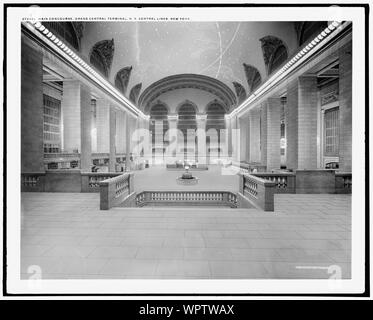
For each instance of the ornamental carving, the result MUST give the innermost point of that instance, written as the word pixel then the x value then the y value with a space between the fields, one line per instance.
pixel 269 46
pixel 105 49
pixel 135 92
pixel 240 91
pixel 122 78
pixel 253 76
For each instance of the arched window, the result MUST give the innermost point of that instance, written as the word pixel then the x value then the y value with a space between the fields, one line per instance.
pixel 278 58
pixel 187 121
pixel 101 56
pixel 216 121
pixel 252 76
pixel 65 30
pixel 98 62
pixel 240 91
pixel 158 126
pixel 215 116
pixel 122 78
pixel 187 118
pixel 257 80
pixel 311 29
pixel 274 52
pixel 158 116
pixel 135 92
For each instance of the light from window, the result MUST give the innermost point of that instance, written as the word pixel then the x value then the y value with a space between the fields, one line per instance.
pixel 331 132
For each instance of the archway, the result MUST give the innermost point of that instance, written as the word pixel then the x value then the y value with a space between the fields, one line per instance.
pixel 187 124
pixel 158 126
pixel 215 123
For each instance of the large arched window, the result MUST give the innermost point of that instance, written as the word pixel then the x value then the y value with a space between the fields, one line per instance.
pixel 240 91
pixel 278 58
pixel 122 78
pixel 215 116
pixel 98 62
pixel 215 122
pixel 187 124
pixel 187 118
pixel 158 117
pixel 252 76
pixel 135 92
pixel 101 56
pixel 274 53
pixel 65 30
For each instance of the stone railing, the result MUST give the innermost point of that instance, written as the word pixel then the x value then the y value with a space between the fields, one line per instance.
pixel 62 155
pixel 32 182
pixel 257 191
pixel 285 181
pixel 91 180
pixel 248 168
pixel 116 191
pixel 186 198
pixel 76 155
pixel 343 182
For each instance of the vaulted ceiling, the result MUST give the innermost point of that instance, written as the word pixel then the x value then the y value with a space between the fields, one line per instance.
pixel 146 52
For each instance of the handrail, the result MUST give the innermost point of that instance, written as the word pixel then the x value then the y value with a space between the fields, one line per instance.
pixel 285 181
pixel 32 181
pixel 91 180
pixel 113 191
pixel 258 191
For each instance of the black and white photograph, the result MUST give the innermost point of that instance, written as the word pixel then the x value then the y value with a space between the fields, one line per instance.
pixel 185 149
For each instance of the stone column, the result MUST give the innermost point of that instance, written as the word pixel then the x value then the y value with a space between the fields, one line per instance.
pixel 94 128
pixel 112 130
pixel 201 121
pixel 307 123
pixel 144 139
pixel 85 129
pixel 345 108
pixel 263 133
pixel 301 117
pixel 71 116
pixel 128 142
pixel 254 119
pixel 77 121
pixel 32 152
pixel 235 139
pixel 103 126
pixel 228 127
pixel 273 133
pixel 291 119
pixel 172 126
pixel 201 145
pixel 120 126
pixel 244 139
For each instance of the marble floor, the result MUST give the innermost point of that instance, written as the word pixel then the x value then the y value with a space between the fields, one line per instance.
pixel 70 238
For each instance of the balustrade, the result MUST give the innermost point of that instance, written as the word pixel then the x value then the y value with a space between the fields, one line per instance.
pixel 256 191
pixel 115 190
pixel 186 197
pixel 32 182
pixel 285 181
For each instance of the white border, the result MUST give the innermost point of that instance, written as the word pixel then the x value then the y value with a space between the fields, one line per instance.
pixel 356 285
